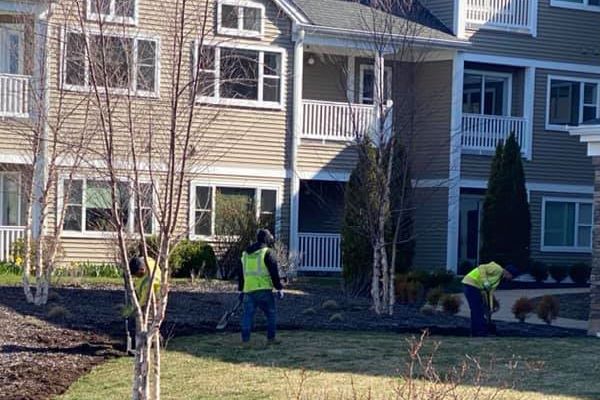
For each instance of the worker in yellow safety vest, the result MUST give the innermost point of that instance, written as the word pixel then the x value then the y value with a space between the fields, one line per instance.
pixel 256 280
pixel 479 286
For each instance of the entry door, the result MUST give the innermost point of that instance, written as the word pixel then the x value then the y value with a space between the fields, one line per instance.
pixel 471 207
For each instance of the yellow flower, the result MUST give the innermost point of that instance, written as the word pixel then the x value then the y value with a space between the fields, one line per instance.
pixel 18 261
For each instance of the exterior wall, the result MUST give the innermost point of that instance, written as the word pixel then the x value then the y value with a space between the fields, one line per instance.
pixel 431 227
pixel 443 10
pixel 557 157
pixel 535 208
pixel 325 79
pixel 562 35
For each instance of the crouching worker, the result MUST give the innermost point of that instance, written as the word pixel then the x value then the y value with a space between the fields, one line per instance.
pixel 142 275
pixel 479 287
pixel 257 279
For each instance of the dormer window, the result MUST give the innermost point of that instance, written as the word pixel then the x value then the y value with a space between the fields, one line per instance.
pixel 240 18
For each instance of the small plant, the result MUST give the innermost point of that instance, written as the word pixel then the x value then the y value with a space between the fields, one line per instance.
pixel 54 296
pixel 522 308
pixel 434 295
pixel 57 312
pixel 408 292
pixel 330 305
pixel 309 311
pixel 539 271
pixel 9 268
pixel 580 273
pixel 427 309
pixel 450 304
pixel 548 308
pixel 559 272
pixel 337 317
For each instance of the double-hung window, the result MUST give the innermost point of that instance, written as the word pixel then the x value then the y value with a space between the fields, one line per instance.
pixel 11 48
pixel 87 206
pixel 367 84
pixel 226 210
pixel 120 11
pixel 566 225
pixel 240 18
pixel 571 102
pixel 486 93
pixel 588 5
pixel 118 63
pixel 245 76
pixel 11 202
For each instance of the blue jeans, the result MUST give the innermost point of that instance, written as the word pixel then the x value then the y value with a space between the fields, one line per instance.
pixel 265 300
pixel 477 306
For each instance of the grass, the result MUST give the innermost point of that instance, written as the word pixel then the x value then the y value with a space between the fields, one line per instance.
pixel 16 280
pixel 340 365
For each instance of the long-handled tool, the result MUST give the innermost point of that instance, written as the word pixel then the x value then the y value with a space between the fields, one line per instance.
pixel 491 326
pixel 128 347
pixel 228 315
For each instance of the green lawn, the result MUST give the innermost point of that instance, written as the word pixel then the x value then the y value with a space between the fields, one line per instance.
pixel 343 365
pixel 17 280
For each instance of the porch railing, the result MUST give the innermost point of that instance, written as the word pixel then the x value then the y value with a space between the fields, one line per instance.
pixel 320 252
pixel 508 14
pixel 14 95
pixel 483 132
pixel 336 121
pixel 8 235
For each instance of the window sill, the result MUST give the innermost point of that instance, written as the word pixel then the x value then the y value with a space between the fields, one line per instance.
pixel 114 19
pixel 97 235
pixel 267 105
pixel 553 249
pixel 574 6
pixel 240 33
pixel 117 92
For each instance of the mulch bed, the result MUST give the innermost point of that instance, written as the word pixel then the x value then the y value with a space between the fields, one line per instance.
pixel 41 356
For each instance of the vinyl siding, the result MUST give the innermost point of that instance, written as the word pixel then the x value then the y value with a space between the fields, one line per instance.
pixel 535 207
pixel 431 227
pixel 443 10
pixel 557 157
pixel 316 155
pixel 563 35
pixel 325 79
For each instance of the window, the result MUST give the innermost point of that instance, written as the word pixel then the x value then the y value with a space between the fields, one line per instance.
pixel 367 84
pixel 566 225
pixel 588 5
pixel 123 11
pixel 88 206
pixel 119 63
pixel 11 48
pixel 240 76
pixel 224 210
pixel 486 93
pixel 240 18
pixel 11 207
pixel 571 102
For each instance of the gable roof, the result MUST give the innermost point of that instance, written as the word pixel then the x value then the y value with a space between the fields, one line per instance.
pixel 359 16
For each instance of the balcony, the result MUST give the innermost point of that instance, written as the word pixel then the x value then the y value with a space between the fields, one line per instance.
pixel 320 252
pixel 14 96
pixel 482 133
pixel 511 15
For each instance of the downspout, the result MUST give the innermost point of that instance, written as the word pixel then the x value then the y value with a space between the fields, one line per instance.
pixel 296 132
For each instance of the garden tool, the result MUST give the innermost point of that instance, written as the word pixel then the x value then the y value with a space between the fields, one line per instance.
pixel 229 314
pixel 489 298
pixel 127 335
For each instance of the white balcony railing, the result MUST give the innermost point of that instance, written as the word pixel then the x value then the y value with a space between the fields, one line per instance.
pixel 504 14
pixel 320 252
pixel 483 132
pixel 8 235
pixel 336 121
pixel 14 96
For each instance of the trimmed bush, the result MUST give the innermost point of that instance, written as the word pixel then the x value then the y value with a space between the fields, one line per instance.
pixel 580 273
pixel 539 271
pixel 408 292
pixel 558 272
pixel 193 257
pixel 337 317
pixel 548 308
pixel 431 279
pixel 434 295
pixel 427 309
pixel 450 304
pixel 522 308
pixel 309 311
pixel 330 305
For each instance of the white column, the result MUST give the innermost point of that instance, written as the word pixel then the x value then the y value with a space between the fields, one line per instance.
pixel 378 93
pixel 296 132
pixel 350 81
pixel 458 67
pixel 528 103
pixel 460 18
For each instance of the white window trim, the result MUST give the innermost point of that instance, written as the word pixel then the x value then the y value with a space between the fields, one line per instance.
pixel 581 81
pixel 584 6
pixel 213 184
pixel 240 31
pixel 83 233
pixel 86 88
pixel 566 249
pixel 17 177
pixel 361 79
pixel 217 100
pixel 111 17
pixel 507 103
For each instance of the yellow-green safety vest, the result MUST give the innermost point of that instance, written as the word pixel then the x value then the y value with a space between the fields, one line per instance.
pixel 490 273
pixel 256 274
pixel 141 285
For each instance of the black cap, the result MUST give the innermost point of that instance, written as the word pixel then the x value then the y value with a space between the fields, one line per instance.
pixel 514 271
pixel 264 236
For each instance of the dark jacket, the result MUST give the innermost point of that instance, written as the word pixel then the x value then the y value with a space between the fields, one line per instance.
pixel 270 262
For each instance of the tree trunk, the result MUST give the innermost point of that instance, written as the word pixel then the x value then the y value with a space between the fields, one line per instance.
pixel 156 367
pixel 141 375
pixel 375 283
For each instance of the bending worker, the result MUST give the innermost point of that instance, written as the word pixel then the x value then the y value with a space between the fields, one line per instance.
pixel 258 278
pixel 479 286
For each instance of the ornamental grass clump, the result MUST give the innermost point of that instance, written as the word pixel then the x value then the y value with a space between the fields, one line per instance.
pixel 450 304
pixel 548 308
pixel 522 308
